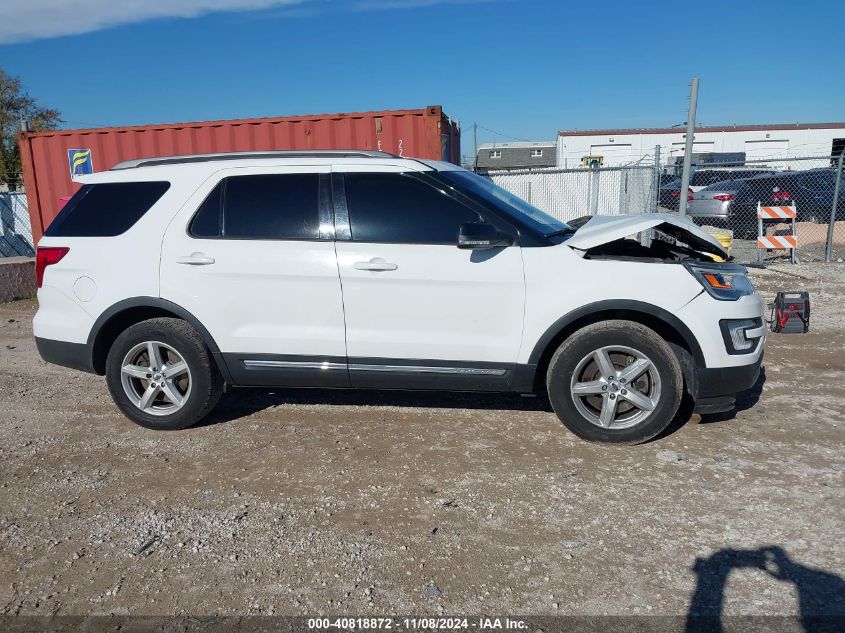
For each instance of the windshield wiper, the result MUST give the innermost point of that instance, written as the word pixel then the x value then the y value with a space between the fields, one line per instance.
pixel 567 231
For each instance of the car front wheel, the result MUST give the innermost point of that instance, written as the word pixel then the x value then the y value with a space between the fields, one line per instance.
pixel 615 381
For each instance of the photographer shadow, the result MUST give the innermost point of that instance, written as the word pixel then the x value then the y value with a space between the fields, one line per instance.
pixel 821 594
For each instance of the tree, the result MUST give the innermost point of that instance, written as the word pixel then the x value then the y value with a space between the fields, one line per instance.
pixel 17 105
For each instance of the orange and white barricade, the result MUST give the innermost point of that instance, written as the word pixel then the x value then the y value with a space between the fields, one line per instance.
pixel 776 242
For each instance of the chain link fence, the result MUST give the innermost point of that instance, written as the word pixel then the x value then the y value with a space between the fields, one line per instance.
pixel 794 196
pixel 567 194
pixel 15 230
pixel 723 198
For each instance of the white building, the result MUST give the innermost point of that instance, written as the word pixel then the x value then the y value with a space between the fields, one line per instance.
pixel 626 147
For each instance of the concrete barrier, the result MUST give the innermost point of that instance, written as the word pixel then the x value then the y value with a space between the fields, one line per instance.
pixel 17 278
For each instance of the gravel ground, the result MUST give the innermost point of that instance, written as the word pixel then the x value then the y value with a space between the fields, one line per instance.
pixel 307 502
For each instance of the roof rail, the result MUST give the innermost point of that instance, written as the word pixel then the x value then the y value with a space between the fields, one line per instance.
pixel 202 158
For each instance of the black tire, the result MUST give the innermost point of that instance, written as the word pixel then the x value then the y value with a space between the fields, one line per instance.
pixel 206 383
pixel 667 384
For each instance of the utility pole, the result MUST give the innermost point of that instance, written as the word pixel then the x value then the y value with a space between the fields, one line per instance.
pixel 685 175
pixel 655 187
pixel 594 188
pixel 828 251
pixel 475 147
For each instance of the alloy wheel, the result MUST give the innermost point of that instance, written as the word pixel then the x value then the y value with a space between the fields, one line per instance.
pixel 156 378
pixel 615 387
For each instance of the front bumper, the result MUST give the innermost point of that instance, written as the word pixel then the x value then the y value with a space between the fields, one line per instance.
pixel 712 382
pixel 714 389
pixel 702 316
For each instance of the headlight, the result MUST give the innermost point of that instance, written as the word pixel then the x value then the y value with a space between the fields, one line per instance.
pixel 726 282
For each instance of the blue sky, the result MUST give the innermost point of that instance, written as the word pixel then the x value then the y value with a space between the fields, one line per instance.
pixel 524 68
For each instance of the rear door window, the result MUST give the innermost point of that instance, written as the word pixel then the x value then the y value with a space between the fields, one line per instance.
pixel 398 208
pixel 209 218
pixel 106 209
pixel 272 206
pixel 261 207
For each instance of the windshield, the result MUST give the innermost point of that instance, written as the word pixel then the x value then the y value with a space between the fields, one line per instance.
pixel 502 199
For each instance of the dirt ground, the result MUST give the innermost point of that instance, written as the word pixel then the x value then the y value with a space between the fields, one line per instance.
pixel 309 502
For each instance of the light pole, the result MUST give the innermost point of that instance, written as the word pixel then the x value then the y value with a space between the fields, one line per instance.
pixel 685 175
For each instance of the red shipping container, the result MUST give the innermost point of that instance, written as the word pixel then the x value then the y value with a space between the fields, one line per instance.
pixel 48 158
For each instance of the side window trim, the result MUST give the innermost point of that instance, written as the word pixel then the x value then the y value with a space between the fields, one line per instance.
pixel 324 204
pixel 341 211
pixel 221 223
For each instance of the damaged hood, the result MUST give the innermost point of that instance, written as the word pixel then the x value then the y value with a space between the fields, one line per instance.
pixel 602 229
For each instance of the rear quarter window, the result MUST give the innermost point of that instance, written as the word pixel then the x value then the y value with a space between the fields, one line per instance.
pixel 106 209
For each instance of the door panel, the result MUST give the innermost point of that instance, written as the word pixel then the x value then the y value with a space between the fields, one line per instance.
pixel 260 297
pixel 421 313
pixel 440 302
pixel 275 301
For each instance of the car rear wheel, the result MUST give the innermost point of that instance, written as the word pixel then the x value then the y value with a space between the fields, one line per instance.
pixel 615 381
pixel 162 376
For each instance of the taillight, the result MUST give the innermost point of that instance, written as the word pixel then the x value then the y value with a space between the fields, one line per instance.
pixel 781 195
pixel 47 256
pixel 689 194
pixel 676 194
pixel 724 197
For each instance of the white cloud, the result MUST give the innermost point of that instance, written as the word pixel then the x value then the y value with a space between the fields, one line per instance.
pixel 28 20
pixel 39 19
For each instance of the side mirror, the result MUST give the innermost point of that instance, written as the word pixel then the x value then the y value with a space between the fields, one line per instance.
pixel 480 235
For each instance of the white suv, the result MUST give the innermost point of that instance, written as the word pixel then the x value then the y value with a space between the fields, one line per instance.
pixel 176 277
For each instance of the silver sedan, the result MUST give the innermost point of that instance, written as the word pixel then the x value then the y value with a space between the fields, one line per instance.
pixel 712 205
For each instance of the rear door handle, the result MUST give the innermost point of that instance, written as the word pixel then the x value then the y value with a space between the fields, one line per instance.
pixel 195 259
pixel 376 263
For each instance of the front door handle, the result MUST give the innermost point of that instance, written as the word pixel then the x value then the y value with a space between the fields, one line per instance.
pixel 195 259
pixel 376 263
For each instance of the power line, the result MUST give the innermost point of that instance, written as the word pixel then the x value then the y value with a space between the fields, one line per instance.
pixel 508 136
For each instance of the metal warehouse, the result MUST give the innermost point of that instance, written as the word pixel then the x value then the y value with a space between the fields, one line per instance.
pixel 615 147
